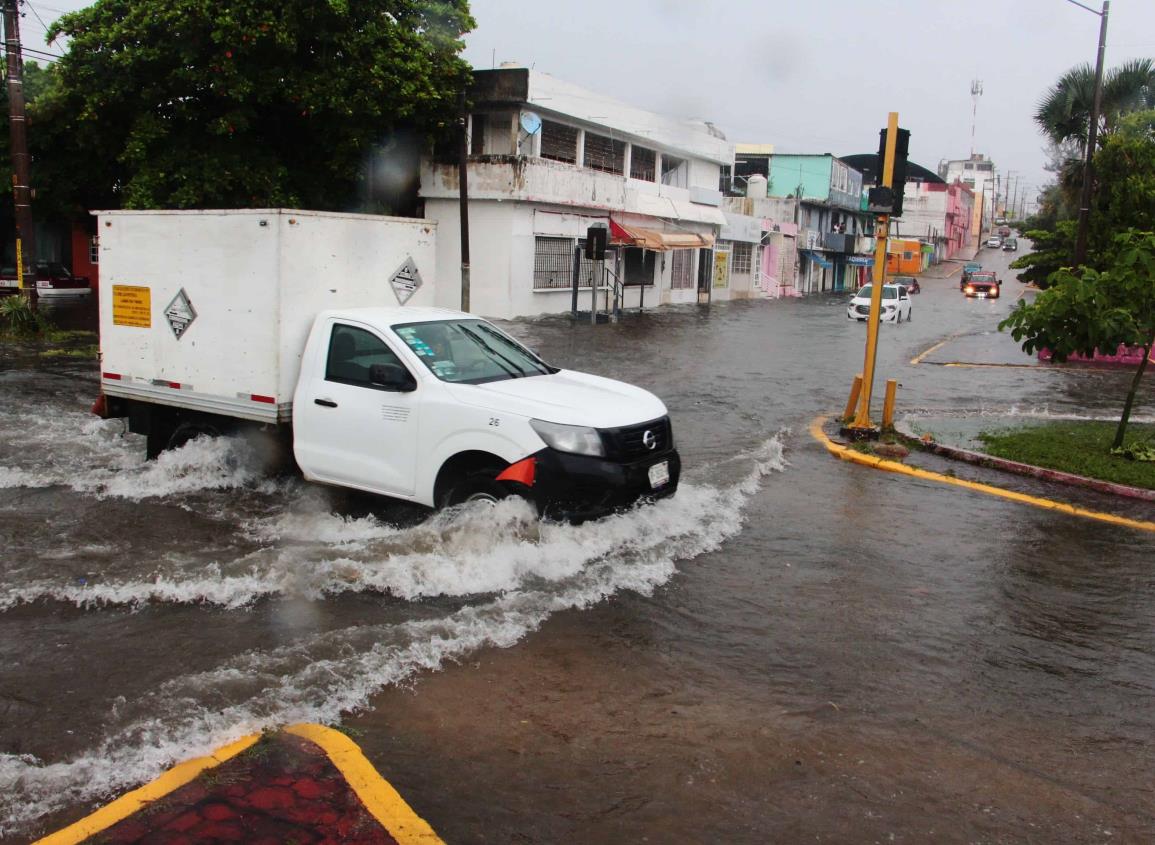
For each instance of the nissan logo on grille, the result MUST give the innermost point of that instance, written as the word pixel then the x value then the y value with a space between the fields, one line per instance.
pixel 650 440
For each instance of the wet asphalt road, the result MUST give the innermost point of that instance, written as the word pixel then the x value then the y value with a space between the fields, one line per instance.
pixel 791 649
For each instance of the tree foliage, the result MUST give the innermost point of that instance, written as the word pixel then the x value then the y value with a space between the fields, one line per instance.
pixel 1089 310
pixel 188 103
pixel 1064 112
pixel 1124 198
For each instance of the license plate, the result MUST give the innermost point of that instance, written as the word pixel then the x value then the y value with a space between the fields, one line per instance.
pixel 9 283
pixel 659 475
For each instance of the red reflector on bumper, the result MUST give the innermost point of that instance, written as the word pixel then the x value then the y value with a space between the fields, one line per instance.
pixel 112 376
pixel 522 472
pixel 268 400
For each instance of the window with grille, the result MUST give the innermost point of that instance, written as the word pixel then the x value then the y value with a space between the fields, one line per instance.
pixel 477 138
pixel 552 263
pixel 642 162
pixel 740 258
pixel 604 154
pixel 682 269
pixel 558 142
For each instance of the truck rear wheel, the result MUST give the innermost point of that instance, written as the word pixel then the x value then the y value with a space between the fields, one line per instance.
pixel 187 431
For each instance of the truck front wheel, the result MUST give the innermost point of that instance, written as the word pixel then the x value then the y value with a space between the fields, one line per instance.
pixel 475 488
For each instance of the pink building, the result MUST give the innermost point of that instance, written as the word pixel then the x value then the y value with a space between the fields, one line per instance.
pixel 939 214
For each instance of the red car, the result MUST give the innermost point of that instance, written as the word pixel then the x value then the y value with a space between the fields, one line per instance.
pixel 52 279
pixel 983 285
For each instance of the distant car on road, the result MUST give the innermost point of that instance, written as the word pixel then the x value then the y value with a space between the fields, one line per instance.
pixel 983 286
pixel 969 269
pixel 52 279
pixel 994 241
pixel 1011 245
pixel 908 282
pixel 896 305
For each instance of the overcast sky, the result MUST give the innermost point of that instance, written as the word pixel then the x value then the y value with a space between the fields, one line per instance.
pixel 816 76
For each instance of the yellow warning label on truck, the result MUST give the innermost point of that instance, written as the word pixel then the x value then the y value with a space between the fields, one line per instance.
pixel 131 306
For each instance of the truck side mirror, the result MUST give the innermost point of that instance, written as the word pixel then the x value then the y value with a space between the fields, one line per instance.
pixel 392 377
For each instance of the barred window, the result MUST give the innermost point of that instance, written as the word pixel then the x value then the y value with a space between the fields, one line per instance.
pixel 604 154
pixel 681 269
pixel 558 142
pixel 552 263
pixel 477 138
pixel 642 162
pixel 740 259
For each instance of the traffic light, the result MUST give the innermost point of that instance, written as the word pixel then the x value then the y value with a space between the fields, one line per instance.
pixel 901 148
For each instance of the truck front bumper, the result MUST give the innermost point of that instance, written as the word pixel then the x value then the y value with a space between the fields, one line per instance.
pixel 579 487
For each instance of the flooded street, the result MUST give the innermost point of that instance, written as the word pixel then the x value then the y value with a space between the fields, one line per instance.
pixel 790 648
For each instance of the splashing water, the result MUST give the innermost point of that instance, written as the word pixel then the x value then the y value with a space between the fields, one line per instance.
pixel 536 569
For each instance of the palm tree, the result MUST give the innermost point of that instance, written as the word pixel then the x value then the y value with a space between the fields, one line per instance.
pixel 1064 113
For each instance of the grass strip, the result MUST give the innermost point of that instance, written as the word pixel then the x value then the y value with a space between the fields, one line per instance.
pixel 1075 446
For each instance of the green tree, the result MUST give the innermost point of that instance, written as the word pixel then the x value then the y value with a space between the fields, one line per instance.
pixel 1064 113
pixel 1124 199
pixel 190 103
pixel 1088 310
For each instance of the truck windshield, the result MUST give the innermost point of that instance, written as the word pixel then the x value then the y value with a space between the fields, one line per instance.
pixel 470 351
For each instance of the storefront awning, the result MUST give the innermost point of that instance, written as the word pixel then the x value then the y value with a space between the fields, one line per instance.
pixel 818 258
pixel 656 240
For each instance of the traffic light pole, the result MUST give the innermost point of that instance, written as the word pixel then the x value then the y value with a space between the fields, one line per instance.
pixel 862 421
pixel 21 190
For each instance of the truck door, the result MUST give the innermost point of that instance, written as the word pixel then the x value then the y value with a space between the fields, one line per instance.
pixel 348 430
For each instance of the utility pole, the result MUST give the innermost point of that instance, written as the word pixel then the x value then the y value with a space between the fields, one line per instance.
pixel 1092 135
pixel 21 189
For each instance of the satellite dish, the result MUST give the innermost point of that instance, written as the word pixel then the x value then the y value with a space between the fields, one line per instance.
pixel 530 122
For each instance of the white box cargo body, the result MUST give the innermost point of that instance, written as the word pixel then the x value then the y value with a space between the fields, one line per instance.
pixel 210 310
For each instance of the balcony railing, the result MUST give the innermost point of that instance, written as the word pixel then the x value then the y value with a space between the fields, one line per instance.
pixel 838 242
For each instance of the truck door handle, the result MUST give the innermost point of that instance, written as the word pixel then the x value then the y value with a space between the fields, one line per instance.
pixel 327 403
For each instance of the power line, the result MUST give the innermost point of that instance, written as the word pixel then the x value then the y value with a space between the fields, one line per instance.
pixel 42 23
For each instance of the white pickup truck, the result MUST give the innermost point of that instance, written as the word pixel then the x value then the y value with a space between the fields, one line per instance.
pixel 225 325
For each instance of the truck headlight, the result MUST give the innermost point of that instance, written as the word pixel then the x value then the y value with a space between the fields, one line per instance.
pixel 576 439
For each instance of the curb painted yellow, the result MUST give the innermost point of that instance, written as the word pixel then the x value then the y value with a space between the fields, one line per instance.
pixel 138 799
pixel 847 454
pixel 381 799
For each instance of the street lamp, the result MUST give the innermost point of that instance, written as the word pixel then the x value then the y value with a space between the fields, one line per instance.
pixel 1092 133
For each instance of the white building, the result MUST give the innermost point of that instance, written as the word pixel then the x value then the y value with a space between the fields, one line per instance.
pixel 547 160
pixel 979 174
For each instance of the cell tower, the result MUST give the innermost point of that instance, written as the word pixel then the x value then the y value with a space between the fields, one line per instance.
pixel 976 92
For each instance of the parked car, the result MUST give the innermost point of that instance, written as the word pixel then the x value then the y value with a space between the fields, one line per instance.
pixel 908 282
pixel 52 279
pixel 1011 245
pixel 994 241
pixel 896 305
pixel 983 286
pixel 969 268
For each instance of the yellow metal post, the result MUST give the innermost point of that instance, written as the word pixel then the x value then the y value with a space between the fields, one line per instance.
pixel 881 231
pixel 888 404
pixel 852 402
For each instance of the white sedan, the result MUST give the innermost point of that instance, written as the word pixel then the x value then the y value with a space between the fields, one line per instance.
pixel 895 304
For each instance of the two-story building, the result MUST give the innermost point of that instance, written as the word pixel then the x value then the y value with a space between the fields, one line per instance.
pixel 547 160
